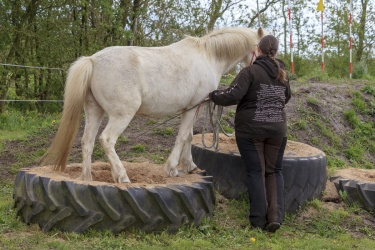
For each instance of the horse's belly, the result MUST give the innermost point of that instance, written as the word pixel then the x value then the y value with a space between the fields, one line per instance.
pixel 160 109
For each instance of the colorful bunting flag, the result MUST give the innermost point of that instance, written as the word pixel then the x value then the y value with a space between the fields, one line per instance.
pixel 320 6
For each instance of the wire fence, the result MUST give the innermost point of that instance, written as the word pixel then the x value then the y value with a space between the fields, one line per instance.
pixel 31 100
pixel 31 67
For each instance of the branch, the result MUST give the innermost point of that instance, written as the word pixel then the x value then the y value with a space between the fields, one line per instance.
pixel 268 4
pixel 228 6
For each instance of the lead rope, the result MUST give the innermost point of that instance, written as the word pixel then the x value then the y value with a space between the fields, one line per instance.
pixel 214 117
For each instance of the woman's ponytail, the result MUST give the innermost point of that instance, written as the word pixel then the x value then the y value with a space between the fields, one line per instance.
pixel 269 47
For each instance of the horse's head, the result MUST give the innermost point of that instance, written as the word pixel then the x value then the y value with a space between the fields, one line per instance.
pixel 253 53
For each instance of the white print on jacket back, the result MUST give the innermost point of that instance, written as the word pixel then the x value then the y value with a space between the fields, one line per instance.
pixel 270 104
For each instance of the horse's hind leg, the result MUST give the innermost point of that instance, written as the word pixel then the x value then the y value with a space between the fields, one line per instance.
pixel 186 157
pixel 116 125
pixel 93 118
pixel 184 136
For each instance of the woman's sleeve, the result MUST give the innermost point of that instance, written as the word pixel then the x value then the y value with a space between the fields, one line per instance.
pixel 234 93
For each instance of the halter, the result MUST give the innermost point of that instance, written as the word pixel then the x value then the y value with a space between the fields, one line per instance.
pixel 253 57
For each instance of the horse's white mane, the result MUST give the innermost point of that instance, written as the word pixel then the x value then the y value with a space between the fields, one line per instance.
pixel 227 42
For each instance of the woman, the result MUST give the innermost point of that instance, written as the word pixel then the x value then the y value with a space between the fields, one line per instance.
pixel 261 91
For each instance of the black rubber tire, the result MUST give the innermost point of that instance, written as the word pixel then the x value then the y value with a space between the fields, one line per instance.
pixel 304 177
pixel 357 191
pixel 72 207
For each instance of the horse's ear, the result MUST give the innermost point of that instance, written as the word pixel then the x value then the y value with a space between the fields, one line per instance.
pixel 260 32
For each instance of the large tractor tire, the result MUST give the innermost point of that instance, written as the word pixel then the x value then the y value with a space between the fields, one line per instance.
pixel 305 174
pixel 356 191
pixel 76 206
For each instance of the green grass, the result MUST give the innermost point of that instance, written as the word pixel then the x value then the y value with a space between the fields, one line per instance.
pixel 165 131
pixel 333 162
pixel 98 152
pixel 360 140
pixel 316 74
pixel 12 135
pixel 158 158
pixel 312 101
pixel 315 140
pixel 19 128
pixel 359 103
pixel 16 124
pixel 301 124
pixel 369 89
pixel 123 139
pixel 139 148
pixel 328 133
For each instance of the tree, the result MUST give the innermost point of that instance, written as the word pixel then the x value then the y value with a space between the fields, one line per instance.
pixel 17 27
pixel 362 29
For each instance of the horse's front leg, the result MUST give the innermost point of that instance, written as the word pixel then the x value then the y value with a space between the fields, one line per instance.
pixel 184 134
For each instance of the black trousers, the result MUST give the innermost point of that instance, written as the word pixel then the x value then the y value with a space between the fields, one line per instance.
pixel 263 159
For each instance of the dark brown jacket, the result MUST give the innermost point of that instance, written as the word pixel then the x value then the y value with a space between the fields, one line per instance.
pixel 260 100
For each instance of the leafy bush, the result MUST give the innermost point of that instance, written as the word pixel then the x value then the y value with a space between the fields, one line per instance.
pixel 231 113
pixel 227 79
pixel 291 76
pixel 359 70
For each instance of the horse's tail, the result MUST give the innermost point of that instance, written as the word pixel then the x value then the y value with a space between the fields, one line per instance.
pixel 77 85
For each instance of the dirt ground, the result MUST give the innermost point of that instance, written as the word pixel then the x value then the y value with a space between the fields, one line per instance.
pixel 140 174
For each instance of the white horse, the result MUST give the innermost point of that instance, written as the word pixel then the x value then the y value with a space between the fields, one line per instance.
pixel 154 82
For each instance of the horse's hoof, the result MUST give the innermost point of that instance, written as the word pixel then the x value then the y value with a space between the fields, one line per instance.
pixel 124 179
pixel 195 171
pixel 189 166
pixel 173 173
pixel 85 177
